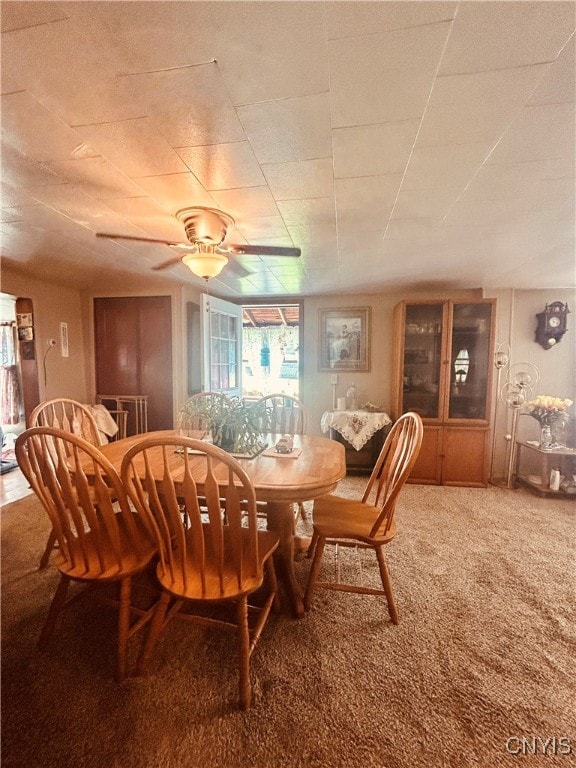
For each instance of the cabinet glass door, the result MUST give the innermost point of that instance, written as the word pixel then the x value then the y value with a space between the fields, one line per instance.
pixel 422 359
pixel 469 361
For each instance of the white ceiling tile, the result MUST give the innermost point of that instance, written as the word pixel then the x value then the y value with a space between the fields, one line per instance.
pixel 95 176
pixel 290 129
pixel 262 227
pixel 540 132
pixel 410 229
pixel 308 213
pixel 21 116
pixel 491 35
pixel 190 105
pixel 323 235
pixel 385 77
pixel 279 65
pixel 300 179
pixel 20 171
pixel 444 166
pixel 558 83
pixel 11 197
pixel 149 217
pixel 373 150
pixel 348 19
pixel 425 203
pixel 175 190
pixel 134 146
pixel 477 107
pixel 75 77
pixel 514 180
pixel 35 13
pixel 184 128
pixel 11 214
pixel 366 203
pixel 246 203
pixel 224 166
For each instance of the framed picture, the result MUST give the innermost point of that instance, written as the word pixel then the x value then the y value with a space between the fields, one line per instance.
pixel 344 339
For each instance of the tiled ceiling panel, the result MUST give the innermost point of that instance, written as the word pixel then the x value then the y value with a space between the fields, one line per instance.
pixel 395 143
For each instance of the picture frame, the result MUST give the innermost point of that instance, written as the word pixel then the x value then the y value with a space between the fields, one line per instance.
pixel 344 339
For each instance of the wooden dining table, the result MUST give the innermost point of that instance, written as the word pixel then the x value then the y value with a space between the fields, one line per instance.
pixel 316 467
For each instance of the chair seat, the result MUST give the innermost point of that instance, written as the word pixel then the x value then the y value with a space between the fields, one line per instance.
pixel 195 585
pixel 337 517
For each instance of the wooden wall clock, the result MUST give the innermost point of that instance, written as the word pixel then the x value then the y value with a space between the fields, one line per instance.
pixel 552 324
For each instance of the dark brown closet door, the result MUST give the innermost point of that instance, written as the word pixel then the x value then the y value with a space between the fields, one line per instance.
pixel 133 342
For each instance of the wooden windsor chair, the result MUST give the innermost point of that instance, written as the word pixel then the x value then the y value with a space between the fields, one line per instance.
pixel 101 540
pixel 369 521
pixel 219 556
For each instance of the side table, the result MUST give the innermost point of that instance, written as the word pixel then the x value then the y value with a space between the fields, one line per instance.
pixel 360 432
pixel 533 467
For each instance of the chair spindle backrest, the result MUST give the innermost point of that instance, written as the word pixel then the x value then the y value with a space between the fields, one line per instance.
pixel 67 415
pixel 165 477
pixel 392 468
pixel 84 498
pixel 194 416
pixel 285 414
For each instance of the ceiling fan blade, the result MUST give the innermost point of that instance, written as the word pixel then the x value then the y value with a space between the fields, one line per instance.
pixel 238 269
pixel 140 239
pixel 166 264
pixel 263 250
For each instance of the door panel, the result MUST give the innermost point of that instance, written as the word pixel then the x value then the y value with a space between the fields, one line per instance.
pixel 133 342
pixel 221 333
pixel 427 467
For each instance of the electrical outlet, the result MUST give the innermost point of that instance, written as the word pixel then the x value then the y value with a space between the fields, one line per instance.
pixel 333 378
pixel 51 342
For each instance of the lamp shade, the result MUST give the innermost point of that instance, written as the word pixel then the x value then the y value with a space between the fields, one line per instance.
pixel 205 265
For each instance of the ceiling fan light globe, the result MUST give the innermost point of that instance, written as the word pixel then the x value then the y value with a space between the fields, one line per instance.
pixel 205 265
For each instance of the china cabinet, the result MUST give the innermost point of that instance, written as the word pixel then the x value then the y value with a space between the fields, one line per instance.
pixel 442 369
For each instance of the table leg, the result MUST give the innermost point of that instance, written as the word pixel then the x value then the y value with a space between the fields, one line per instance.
pixel 281 520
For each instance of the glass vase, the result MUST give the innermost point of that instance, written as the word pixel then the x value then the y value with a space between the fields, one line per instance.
pixel 558 429
pixel 546 437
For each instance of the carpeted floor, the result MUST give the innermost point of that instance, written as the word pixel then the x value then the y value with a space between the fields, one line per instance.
pixel 482 658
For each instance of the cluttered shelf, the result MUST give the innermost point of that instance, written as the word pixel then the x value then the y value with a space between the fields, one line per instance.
pixel 549 472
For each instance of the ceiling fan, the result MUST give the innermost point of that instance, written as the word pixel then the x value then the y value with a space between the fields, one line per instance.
pixel 204 254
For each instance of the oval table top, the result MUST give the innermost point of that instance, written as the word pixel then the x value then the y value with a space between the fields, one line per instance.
pixel 317 469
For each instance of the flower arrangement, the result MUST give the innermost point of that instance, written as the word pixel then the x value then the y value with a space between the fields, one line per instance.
pixel 235 426
pixel 547 410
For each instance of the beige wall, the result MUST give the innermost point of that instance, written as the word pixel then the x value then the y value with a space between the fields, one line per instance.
pixel 516 324
pixel 58 376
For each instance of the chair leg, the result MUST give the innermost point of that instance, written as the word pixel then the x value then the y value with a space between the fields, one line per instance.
pixel 44 560
pixel 387 584
pixel 156 625
pixel 244 652
pixel 56 606
pixel 314 570
pixel 123 626
pixel 302 511
pixel 273 583
pixel 312 545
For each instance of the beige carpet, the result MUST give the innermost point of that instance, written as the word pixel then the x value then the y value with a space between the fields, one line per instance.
pixel 484 652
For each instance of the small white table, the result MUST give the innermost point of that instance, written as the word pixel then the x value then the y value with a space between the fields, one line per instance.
pixel 358 431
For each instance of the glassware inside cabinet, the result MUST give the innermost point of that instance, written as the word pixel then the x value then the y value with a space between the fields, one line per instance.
pixel 469 361
pixel 422 359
